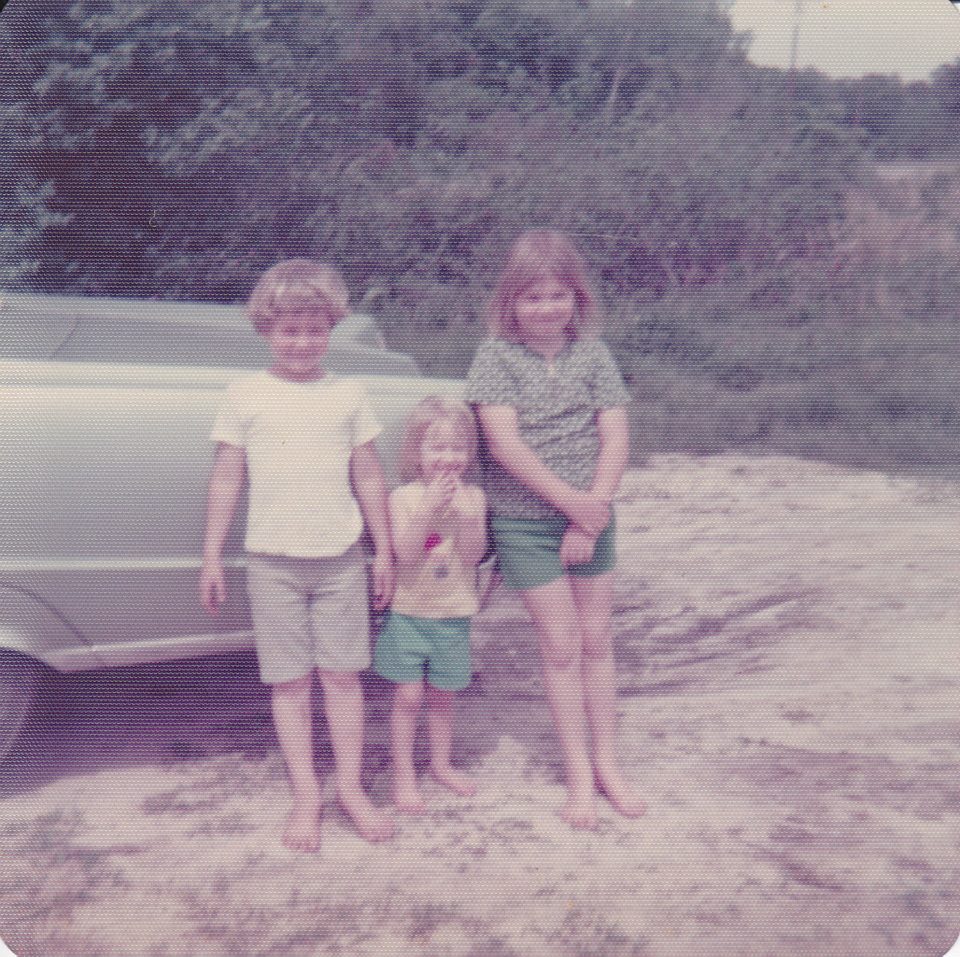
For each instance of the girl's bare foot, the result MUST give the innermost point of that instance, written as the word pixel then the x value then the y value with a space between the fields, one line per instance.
pixel 407 797
pixel 580 814
pixel 455 780
pixel 302 830
pixel 371 822
pixel 623 798
pixel 580 811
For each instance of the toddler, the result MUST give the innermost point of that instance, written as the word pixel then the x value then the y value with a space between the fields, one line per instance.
pixel 439 534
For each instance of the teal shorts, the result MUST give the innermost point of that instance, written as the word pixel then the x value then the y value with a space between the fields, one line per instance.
pixel 407 645
pixel 528 552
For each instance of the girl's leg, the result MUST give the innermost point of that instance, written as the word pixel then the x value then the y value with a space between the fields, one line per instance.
pixel 403 729
pixel 555 617
pixel 440 722
pixel 343 703
pixel 293 720
pixel 594 601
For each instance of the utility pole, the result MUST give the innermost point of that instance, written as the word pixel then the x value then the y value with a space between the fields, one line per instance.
pixel 794 43
pixel 797 14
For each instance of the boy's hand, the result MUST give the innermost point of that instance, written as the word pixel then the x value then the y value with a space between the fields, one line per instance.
pixel 576 547
pixel 382 575
pixel 590 511
pixel 213 586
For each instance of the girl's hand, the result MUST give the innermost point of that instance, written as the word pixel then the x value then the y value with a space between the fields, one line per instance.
pixel 576 547
pixel 590 511
pixel 382 575
pixel 439 494
pixel 213 586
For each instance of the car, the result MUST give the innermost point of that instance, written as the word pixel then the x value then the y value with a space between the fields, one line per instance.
pixel 107 406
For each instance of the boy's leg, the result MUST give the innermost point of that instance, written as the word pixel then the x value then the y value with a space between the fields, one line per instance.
pixel 293 720
pixel 555 617
pixel 279 609
pixel 593 597
pixel 343 705
pixel 407 697
pixel 440 708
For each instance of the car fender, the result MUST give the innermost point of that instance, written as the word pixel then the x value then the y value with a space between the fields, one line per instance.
pixel 32 628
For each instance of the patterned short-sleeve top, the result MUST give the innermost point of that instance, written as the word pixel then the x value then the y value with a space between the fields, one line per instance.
pixel 557 404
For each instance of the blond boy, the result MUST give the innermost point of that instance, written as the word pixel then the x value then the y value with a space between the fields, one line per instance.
pixel 304 439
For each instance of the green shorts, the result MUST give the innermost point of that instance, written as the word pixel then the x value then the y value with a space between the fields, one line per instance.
pixel 407 644
pixel 528 552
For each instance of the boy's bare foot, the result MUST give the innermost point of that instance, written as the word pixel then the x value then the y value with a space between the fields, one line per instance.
pixel 372 823
pixel 407 797
pixel 580 814
pixel 623 798
pixel 302 830
pixel 455 780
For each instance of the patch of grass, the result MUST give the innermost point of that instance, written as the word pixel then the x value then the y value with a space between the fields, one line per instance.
pixel 46 875
pixel 585 934
pixel 424 919
pixel 304 927
pixel 489 946
pixel 228 778
pixel 849 355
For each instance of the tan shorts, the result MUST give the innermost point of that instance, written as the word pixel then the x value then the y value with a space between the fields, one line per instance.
pixel 309 613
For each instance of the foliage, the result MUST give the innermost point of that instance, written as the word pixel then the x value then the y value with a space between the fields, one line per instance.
pixel 405 139
pixel 24 197
pixel 174 149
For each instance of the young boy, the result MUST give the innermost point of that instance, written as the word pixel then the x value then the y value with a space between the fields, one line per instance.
pixel 302 436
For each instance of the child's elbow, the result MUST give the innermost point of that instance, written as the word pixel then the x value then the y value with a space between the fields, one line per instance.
pixel 502 448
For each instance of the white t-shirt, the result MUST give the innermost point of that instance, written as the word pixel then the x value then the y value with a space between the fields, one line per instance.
pixel 298 438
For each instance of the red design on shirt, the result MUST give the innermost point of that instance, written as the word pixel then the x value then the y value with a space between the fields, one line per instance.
pixel 432 541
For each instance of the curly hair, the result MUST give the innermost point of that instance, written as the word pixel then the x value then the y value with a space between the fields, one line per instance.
pixel 297 285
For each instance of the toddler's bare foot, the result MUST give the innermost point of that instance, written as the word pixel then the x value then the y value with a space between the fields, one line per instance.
pixel 455 780
pixel 302 830
pixel 371 822
pixel 623 798
pixel 407 797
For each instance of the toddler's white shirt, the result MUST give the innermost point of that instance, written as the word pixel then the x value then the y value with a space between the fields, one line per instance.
pixel 439 584
pixel 298 438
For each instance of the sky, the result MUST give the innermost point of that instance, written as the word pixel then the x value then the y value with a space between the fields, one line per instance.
pixel 910 38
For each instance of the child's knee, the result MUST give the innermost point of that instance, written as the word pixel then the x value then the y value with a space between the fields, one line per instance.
pixel 339 682
pixel 440 700
pixel 407 697
pixel 597 643
pixel 560 652
pixel 295 690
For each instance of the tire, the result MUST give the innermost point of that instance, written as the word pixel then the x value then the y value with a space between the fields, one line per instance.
pixel 19 680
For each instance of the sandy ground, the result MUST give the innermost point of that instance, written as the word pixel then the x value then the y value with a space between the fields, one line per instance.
pixel 788 672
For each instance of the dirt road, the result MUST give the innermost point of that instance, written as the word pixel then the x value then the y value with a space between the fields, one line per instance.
pixel 789 677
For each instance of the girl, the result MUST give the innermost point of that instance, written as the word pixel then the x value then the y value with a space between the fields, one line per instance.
pixel 439 535
pixel 551 405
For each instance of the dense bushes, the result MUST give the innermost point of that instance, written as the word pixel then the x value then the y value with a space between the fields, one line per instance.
pixel 174 149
